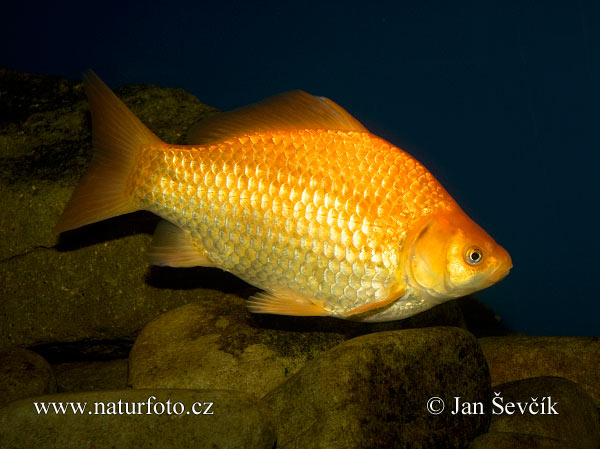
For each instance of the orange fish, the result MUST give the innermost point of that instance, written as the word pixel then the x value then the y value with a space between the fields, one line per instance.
pixel 294 196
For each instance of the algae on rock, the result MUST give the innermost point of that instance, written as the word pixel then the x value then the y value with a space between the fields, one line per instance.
pixel 372 392
pixel 91 284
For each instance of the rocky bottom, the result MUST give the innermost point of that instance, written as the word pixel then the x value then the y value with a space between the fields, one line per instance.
pixel 186 384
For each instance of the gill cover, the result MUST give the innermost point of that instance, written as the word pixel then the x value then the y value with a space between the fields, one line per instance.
pixel 452 257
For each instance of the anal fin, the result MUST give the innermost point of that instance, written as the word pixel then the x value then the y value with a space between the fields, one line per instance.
pixel 285 302
pixel 172 246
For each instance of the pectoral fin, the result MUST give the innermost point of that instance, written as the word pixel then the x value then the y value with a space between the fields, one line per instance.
pixel 284 302
pixel 173 247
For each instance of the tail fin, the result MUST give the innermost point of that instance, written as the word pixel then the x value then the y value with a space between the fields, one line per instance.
pixel 118 137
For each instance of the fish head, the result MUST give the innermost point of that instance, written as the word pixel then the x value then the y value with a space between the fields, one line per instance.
pixel 452 256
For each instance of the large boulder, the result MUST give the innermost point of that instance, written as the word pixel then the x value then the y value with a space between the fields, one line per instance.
pixel 520 356
pixel 202 346
pixel 92 284
pixel 374 392
pixel 220 345
pixel 550 407
pixel 24 373
pixel 90 376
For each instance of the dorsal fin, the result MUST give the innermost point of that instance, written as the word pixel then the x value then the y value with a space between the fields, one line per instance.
pixel 287 111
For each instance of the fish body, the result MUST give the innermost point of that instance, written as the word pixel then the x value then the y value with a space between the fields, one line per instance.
pixel 293 196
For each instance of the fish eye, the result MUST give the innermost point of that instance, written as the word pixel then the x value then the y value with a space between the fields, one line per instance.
pixel 473 255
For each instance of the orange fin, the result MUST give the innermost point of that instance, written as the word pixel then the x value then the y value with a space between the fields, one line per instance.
pixel 118 137
pixel 374 305
pixel 173 247
pixel 285 302
pixel 286 111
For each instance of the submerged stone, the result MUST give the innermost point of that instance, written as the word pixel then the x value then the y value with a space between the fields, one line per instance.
pixel 561 410
pixel 24 373
pixel 221 345
pixel 373 392
pixel 520 356
pixel 90 282
pixel 91 376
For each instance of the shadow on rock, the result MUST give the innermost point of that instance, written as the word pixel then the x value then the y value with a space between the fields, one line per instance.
pixel 112 229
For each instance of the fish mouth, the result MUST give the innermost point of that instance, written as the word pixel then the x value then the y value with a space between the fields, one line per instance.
pixel 501 271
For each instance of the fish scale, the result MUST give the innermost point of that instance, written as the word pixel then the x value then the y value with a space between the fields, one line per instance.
pixel 301 211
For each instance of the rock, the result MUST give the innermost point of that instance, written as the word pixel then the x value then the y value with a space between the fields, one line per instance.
pixel 237 421
pixel 24 373
pixel 45 125
pixel 506 440
pixel 91 376
pixel 217 345
pixel 24 94
pixel 196 346
pixel 576 422
pixel 84 287
pixel 520 357
pixel 373 391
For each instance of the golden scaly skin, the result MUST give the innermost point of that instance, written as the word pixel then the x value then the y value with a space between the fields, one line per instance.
pixel 321 213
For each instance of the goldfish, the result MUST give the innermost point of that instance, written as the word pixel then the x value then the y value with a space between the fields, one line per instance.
pixel 294 196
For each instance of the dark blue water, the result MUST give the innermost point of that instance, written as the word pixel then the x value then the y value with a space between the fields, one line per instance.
pixel 498 99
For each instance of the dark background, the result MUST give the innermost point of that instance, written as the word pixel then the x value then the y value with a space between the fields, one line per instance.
pixel 499 99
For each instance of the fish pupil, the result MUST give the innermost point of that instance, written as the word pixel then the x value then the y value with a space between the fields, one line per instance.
pixel 473 256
